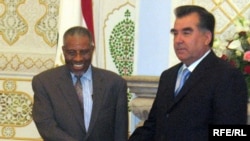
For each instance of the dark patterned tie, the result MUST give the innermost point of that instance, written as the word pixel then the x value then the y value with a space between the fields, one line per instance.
pixel 184 77
pixel 78 87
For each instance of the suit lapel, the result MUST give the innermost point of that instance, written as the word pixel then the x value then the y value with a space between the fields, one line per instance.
pixel 171 77
pixel 98 93
pixel 67 89
pixel 194 78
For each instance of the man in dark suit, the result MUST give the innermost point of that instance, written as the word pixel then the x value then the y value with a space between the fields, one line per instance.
pixel 58 112
pixel 214 92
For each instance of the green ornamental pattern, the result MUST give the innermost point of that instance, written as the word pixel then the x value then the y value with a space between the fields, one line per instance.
pixel 121 45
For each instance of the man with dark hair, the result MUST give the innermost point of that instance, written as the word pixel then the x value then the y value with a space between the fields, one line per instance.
pixel 77 101
pixel 200 91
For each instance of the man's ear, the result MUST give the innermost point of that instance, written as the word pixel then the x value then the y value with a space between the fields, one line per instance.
pixel 93 46
pixel 208 36
pixel 63 50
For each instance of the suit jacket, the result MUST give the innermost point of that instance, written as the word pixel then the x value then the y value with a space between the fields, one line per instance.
pixel 214 93
pixel 57 113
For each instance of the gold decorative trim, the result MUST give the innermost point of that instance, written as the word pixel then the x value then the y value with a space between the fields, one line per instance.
pixel 8 132
pixel 12 24
pixel 47 25
pixel 23 139
pixel 25 63
pixel 9 85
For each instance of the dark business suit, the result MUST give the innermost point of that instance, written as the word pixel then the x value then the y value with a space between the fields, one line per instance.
pixel 215 93
pixel 58 115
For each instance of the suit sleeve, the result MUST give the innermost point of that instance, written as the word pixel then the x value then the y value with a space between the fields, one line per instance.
pixel 121 120
pixel 43 114
pixel 230 99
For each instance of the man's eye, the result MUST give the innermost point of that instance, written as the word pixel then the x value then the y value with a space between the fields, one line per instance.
pixel 71 53
pixel 173 33
pixel 186 32
pixel 84 52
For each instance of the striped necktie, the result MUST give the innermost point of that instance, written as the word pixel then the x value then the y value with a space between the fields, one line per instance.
pixel 185 74
pixel 78 87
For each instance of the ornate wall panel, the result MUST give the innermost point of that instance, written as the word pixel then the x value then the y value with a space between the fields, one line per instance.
pixel 12 23
pixel 15 110
pixel 46 26
pixel 115 35
pixel 28 35
pixel 28 38
pixel 119 34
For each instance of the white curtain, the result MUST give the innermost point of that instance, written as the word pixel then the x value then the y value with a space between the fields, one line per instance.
pixel 70 14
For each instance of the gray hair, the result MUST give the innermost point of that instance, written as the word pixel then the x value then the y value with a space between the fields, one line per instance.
pixel 79 31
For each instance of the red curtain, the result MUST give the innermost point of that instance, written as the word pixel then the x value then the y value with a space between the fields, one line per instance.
pixel 87 13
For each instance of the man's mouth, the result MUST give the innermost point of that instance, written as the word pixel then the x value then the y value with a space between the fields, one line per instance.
pixel 78 66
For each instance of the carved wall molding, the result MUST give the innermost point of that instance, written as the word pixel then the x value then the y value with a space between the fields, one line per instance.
pixel 142 86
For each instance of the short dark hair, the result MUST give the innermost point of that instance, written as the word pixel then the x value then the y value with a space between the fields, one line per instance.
pixel 78 30
pixel 207 19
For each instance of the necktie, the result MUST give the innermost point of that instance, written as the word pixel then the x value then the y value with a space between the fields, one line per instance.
pixel 184 76
pixel 78 87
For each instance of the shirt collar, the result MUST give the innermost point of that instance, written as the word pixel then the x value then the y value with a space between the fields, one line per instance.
pixel 194 64
pixel 87 74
